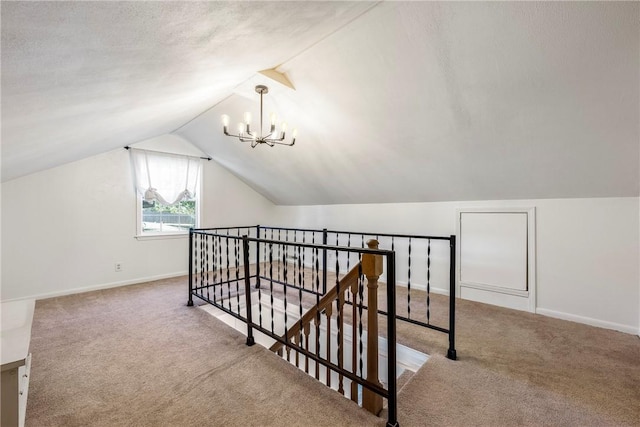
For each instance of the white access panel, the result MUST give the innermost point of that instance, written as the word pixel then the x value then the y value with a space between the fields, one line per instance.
pixel 496 256
pixel 493 249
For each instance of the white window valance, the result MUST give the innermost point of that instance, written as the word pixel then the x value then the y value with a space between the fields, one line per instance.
pixel 163 177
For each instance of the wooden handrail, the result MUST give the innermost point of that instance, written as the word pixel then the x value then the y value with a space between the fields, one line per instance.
pixel 347 282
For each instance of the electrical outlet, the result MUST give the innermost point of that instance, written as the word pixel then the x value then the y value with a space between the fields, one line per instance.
pixel 118 266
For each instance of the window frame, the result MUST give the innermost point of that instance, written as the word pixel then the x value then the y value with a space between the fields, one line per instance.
pixel 141 235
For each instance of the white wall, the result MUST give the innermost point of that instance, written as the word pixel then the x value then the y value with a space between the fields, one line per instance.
pixel 64 228
pixel 587 249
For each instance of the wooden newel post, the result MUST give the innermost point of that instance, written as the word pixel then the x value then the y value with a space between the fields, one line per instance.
pixel 372 269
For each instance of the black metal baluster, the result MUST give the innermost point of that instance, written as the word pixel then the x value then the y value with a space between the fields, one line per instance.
pixel 451 352
pixel 409 283
pixel 260 291
pixel 220 281
pixel 295 264
pixel 190 300
pixel 285 272
pixel 304 251
pixel 228 273
pixel 195 250
pixel 300 291
pixel 196 262
pixel 202 267
pixel 213 268
pixel 392 401
pixel 271 282
pixel 247 290
pixel 360 308
pixel 348 261
pixel 237 259
pixel 428 280
pixel 316 266
pixel 221 271
pixel 279 250
pixel 339 336
pixel 324 262
pixel 206 245
pixel 264 254
pixel 354 344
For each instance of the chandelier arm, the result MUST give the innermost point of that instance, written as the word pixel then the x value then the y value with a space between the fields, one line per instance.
pixel 274 139
pixel 285 143
pixel 234 136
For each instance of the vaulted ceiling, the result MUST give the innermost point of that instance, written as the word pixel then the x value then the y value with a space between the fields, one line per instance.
pixel 394 101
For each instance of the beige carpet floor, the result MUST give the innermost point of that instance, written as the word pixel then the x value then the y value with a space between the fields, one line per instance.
pixel 137 356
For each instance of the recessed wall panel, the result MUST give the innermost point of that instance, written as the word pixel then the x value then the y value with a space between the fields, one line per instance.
pixel 493 251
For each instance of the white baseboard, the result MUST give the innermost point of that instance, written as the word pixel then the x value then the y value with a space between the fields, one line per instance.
pixel 588 321
pixel 101 286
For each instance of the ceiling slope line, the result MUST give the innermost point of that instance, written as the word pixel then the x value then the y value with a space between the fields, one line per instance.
pixel 281 64
pixel 210 108
pixel 321 39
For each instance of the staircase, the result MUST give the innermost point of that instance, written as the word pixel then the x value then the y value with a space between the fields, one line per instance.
pixel 408 359
pixel 322 332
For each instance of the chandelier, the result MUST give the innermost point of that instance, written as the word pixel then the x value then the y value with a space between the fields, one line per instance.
pixel 245 134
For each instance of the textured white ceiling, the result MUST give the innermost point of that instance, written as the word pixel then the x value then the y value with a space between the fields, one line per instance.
pixel 81 78
pixel 402 101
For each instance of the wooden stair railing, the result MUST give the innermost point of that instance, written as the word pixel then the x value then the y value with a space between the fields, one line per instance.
pixel 349 281
pixel 371 268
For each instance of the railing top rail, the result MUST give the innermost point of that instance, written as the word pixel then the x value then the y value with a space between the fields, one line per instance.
pixel 224 228
pixel 412 236
pixel 314 230
pixel 364 233
pixel 210 233
pixel 265 227
pixel 383 252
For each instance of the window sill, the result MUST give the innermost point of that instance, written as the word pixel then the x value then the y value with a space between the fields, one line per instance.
pixel 162 236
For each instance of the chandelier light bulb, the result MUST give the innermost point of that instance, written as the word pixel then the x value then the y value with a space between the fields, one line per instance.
pixel 284 127
pixel 240 128
pixel 247 118
pixel 225 120
pixel 295 133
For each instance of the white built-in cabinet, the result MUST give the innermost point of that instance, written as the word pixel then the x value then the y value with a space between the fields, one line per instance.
pixel 17 317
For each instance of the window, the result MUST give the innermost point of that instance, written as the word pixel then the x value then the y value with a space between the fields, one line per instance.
pixel 157 218
pixel 167 187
